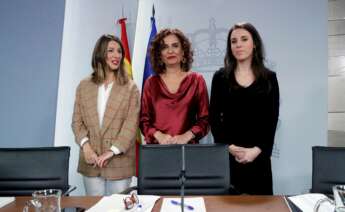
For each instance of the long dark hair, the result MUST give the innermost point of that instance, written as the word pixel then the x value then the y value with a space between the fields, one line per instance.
pixel 259 70
pixel 99 64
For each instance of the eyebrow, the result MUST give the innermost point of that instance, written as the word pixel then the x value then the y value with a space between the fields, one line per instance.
pixel 242 36
pixel 171 43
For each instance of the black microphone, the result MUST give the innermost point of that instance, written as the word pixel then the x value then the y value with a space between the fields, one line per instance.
pixel 182 176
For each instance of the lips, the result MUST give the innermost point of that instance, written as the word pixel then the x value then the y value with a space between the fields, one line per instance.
pixel 171 57
pixel 115 62
pixel 240 52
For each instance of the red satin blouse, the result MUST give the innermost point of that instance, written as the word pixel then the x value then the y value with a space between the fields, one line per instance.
pixel 174 113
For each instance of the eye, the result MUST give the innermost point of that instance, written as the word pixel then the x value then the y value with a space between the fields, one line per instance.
pixel 175 45
pixel 164 46
pixel 119 51
pixel 233 41
pixel 110 50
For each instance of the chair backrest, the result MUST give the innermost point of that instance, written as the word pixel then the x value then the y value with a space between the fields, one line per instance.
pixel 206 169
pixel 328 168
pixel 24 170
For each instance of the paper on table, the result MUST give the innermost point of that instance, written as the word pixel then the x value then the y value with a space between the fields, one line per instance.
pixel 114 203
pixel 5 200
pixel 307 202
pixel 196 202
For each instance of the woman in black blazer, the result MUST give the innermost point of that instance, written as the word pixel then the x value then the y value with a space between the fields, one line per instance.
pixel 244 110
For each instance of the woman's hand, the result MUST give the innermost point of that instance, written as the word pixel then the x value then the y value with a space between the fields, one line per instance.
pixel 162 138
pixel 183 138
pixel 236 151
pixel 244 155
pixel 104 158
pixel 89 155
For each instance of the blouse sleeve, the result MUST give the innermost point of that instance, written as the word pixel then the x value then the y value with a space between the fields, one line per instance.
pixel 271 119
pixel 216 109
pixel 200 129
pixel 146 115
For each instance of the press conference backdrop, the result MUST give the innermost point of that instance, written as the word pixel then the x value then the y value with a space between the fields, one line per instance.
pixel 295 36
pixel 85 22
pixel 30 44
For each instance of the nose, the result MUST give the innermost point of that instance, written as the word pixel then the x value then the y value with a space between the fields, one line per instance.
pixel 116 55
pixel 238 44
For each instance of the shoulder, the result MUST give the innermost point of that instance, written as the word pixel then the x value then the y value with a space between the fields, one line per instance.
pixel 86 83
pixel 130 84
pixel 131 90
pixel 196 79
pixel 151 81
pixel 196 76
pixel 271 80
pixel 271 75
pixel 219 74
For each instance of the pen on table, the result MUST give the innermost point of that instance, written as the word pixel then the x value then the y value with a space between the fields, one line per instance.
pixel 189 207
pixel 142 207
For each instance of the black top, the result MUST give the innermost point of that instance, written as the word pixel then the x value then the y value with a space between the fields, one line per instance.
pixel 246 117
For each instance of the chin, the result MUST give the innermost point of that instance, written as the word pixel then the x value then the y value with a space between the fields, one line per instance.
pixel 173 63
pixel 113 68
pixel 242 59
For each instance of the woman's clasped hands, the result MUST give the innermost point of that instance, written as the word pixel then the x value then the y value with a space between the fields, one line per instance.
pixel 244 155
pixel 93 159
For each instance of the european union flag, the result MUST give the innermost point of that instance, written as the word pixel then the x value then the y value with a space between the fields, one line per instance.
pixel 148 71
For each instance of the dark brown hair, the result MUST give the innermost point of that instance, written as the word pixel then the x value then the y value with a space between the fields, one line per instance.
pixel 258 66
pixel 158 44
pixel 99 64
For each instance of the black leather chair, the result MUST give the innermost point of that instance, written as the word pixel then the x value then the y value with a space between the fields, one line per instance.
pixel 206 169
pixel 24 170
pixel 328 168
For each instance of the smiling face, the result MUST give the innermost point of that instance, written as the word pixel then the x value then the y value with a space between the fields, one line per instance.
pixel 242 45
pixel 171 53
pixel 113 55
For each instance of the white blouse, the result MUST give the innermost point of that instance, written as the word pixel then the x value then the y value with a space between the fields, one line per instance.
pixel 102 99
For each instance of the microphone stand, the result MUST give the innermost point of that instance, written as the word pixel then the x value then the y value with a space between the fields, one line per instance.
pixel 183 178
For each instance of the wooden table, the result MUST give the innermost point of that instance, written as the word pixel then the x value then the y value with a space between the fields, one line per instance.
pixel 241 203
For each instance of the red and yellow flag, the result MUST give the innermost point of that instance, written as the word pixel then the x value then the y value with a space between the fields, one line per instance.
pixel 128 67
pixel 124 41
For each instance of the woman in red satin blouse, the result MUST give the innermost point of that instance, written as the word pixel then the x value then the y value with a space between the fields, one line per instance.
pixel 174 107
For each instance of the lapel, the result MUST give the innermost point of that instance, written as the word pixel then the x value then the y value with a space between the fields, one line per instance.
pixel 91 102
pixel 112 107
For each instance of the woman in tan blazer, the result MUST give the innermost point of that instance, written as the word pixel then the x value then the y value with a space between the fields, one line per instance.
pixel 105 121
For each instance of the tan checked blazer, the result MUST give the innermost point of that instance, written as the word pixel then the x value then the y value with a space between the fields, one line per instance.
pixel 119 127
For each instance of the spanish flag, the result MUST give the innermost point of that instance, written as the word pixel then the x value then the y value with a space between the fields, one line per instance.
pixel 124 41
pixel 128 67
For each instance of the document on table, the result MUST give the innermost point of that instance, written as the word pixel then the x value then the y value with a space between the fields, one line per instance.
pixel 196 204
pixel 114 203
pixel 6 200
pixel 307 202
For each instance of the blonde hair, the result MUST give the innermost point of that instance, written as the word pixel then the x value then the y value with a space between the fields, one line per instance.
pixel 99 64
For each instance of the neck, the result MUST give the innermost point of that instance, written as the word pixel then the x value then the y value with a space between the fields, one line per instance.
pixel 109 77
pixel 244 66
pixel 173 70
